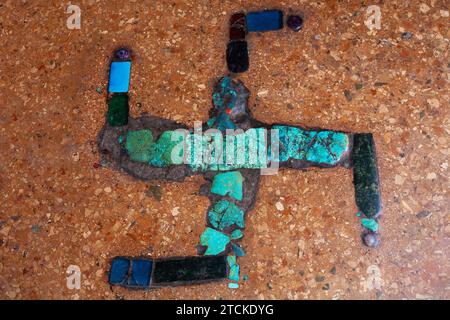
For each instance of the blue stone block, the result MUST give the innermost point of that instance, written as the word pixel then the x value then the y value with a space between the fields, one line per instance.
pixel 264 21
pixel 119 76
pixel 141 271
pixel 118 274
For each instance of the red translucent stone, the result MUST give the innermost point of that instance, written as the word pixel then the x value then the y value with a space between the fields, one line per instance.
pixel 238 28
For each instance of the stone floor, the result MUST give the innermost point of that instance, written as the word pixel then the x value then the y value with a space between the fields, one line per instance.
pixel 60 208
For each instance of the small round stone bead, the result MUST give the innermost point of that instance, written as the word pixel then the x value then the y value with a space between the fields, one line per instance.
pixel 371 240
pixel 295 23
pixel 123 54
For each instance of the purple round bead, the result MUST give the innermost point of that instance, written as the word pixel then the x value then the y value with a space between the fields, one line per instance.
pixel 123 54
pixel 371 240
pixel 295 23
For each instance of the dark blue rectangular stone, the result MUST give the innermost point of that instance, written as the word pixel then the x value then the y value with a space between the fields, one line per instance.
pixel 134 273
pixel 118 274
pixel 264 21
pixel 141 270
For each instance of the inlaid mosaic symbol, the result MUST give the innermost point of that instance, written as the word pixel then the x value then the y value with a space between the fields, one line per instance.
pixel 230 150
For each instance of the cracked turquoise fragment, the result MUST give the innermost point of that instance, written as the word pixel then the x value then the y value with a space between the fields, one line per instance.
pixel 224 122
pixel 161 153
pixel 141 147
pixel 238 251
pixel 324 147
pixel 228 183
pixel 236 234
pixel 225 95
pixel 215 241
pixel 139 144
pixel 245 150
pixel 233 273
pixel 211 121
pixel 233 285
pixel 224 214
pixel 370 224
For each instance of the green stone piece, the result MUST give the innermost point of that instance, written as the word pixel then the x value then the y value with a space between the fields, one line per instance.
pixel 224 214
pixel 370 224
pixel 365 175
pixel 236 234
pixel 233 273
pixel 228 183
pixel 161 153
pixel 139 145
pixel 118 110
pixel 215 241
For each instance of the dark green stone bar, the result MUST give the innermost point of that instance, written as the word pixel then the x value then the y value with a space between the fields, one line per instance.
pixel 178 271
pixel 118 110
pixel 365 175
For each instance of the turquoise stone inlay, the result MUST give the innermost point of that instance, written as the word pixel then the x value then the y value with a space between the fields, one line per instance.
pixel 139 144
pixel 236 234
pixel 242 150
pixel 233 273
pixel 224 100
pixel 215 241
pixel 238 251
pixel 224 214
pixel 325 147
pixel 141 147
pixel 226 96
pixel 228 183
pixel 233 285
